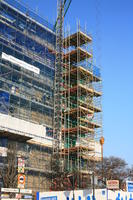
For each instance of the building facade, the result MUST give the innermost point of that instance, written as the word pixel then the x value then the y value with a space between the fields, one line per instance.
pixel 27 60
pixel 27 68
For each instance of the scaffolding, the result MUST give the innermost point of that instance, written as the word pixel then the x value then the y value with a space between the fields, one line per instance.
pixel 27 38
pixel 24 36
pixel 81 107
pixel 29 96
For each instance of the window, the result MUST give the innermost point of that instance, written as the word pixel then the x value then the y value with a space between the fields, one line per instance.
pixel 49 132
pixel 3 142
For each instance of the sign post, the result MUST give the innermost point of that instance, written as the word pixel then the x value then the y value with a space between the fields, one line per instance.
pixel 21 176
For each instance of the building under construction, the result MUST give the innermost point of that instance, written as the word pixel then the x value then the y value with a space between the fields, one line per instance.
pixel 81 127
pixel 26 89
pixel 28 98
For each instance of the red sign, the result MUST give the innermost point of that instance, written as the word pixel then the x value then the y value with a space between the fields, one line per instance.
pixel 21 180
pixel 112 184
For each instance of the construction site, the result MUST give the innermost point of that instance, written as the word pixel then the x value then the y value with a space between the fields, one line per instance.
pixel 50 100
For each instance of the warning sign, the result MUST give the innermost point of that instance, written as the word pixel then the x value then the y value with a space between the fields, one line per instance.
pixel 21 165
pixel 21 180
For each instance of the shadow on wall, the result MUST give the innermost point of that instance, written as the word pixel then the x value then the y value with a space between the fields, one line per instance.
pixel 87 194
pixel 67 194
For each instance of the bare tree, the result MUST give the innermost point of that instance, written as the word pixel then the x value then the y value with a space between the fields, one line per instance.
pixel 113 168
pixel 130 173
pixel 8 172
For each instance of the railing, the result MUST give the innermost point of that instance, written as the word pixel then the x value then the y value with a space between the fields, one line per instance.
pixel 22 8
pixel 89 66
pixel 82 29
pixel 84 64
pixel 32 55
pixel 97 118
pixel 97 102
pixel 97 86
pixel 96 71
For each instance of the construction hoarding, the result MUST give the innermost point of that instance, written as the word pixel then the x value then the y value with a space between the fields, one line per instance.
pixel 100 194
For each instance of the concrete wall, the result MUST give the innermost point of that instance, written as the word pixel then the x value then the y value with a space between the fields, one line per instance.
pixel 100 194
pixel 24 128
pixel 97 153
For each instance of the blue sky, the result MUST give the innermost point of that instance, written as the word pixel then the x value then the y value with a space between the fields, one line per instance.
pixel 115 29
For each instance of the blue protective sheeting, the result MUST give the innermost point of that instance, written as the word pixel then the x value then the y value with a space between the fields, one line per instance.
pixel 4 102
pixel 96 71
pixel 32 14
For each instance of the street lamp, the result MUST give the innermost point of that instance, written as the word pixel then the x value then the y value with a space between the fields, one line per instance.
pixel 102 143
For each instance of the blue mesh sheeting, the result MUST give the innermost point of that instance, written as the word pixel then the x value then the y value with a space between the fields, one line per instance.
pixel 29 13
pixel 87 66
pixel 96 71
pixel 4 102
pixel 30 94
